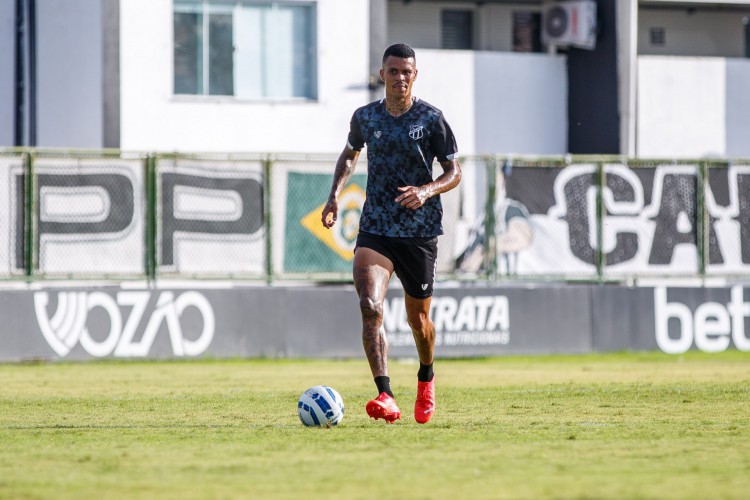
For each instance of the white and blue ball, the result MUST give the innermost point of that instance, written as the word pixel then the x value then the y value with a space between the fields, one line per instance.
pixel 320 406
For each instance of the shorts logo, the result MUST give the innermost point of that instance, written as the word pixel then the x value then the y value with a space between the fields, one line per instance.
pixel 416 132
pixel 424 286
pixel 378 133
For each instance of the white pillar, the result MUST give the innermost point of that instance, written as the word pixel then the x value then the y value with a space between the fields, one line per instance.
pixel 627 55
pixel 378 41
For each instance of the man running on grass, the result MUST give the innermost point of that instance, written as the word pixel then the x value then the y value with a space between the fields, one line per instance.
pixel 401 219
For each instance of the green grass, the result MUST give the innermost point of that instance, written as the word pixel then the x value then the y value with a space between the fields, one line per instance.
pixel 591 426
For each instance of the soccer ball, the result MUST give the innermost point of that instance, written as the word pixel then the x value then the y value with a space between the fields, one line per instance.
pixel 320 406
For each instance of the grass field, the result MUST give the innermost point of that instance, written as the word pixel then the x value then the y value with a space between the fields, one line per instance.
pixel 593 426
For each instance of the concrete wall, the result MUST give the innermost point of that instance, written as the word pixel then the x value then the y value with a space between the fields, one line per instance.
pixel 693 107
pixel 738 108
pixel 521 103
pixel 496 102
pixel 69 75
pixel 418 23
pixel 693 32
pixel 152 118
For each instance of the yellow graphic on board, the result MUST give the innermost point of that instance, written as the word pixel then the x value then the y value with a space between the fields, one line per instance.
pixel 342 237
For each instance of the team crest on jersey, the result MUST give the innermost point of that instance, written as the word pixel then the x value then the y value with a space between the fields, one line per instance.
pixel 416 132
pixel 378 133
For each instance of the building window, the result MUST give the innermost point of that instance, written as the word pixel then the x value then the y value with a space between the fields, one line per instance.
pixel 253 50
pixel 527 29
pixel 457 29
pixel 657 37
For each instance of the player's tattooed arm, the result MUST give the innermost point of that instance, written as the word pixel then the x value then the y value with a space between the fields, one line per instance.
pixel 415 196
pixel 345 166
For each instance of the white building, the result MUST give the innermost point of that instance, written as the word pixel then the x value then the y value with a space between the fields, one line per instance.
pixel 666 78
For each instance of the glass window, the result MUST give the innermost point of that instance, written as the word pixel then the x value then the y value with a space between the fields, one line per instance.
pixel 255 50
pixel 457 32
pixel 220 55
pixel 527 29
pixel 188 58
pixel 657 37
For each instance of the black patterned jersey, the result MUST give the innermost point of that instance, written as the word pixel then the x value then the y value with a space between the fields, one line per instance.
pixel 400 152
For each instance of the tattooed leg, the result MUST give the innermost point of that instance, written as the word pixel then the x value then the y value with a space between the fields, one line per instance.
pixel 372 272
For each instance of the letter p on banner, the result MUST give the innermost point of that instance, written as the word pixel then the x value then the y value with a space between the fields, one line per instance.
pixel 210 219
pixel 88 217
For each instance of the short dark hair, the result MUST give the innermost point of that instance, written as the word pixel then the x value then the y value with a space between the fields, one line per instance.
pixel 399 50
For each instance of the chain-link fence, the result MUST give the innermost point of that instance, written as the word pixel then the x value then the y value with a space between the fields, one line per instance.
pixel 114 215
pixel 79 214
pixel 301 246
pixel 14 224
pixel 210 216
pixel 619 219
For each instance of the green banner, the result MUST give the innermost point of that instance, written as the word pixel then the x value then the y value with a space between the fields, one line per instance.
pixel 308 246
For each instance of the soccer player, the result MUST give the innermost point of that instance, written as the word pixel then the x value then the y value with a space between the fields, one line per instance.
pixel 401 219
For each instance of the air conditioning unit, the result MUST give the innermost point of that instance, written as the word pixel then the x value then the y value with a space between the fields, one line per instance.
pixel 570 23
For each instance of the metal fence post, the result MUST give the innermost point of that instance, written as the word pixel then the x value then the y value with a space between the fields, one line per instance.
pixel 599 255
pixel 268 219
pixel 490 254
pixel 702 233
pixel 29 211
pixel 151 209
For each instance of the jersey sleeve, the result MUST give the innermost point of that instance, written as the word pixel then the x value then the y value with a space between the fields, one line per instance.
pixel 442 141
pixel 355 141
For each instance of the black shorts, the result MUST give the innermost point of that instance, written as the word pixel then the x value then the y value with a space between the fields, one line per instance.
pixel 414 260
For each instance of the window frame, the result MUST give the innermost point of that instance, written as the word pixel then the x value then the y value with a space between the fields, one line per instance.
pixel 206 7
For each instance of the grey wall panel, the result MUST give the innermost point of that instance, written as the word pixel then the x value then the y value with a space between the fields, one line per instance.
pixel 322 322
pixel 20 338
pixel 551 319
pixel 540 319
pixel 225 321
pixel 623 319
pixel 250 322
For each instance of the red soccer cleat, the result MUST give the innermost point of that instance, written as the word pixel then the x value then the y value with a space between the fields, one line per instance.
pixel 384 406
pixel 424 407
